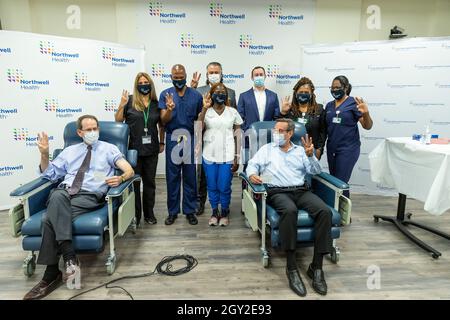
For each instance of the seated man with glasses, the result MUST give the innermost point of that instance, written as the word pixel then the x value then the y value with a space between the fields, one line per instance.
pixel 287 164
pixel 87 170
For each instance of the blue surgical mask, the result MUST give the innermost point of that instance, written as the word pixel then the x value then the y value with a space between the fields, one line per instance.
pixel 278 139
pixel 219 98
pixel 258 81
pixel 179 84
pixel 303 98
pixel 338 94
pixel 91 137
pixel 144 88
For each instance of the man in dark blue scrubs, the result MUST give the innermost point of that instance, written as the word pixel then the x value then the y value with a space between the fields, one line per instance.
pixel 180 106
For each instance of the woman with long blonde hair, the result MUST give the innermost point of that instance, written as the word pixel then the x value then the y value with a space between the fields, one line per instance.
pixel 140 111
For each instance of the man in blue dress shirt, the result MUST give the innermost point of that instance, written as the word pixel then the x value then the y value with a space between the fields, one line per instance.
pixel 282 166
pixel 88 171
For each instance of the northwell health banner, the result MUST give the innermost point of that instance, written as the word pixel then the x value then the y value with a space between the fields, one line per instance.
pixel 406 84
pixel 48 81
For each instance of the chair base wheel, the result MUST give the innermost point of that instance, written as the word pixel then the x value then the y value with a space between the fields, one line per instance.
pixel 111 265
pixel 335 253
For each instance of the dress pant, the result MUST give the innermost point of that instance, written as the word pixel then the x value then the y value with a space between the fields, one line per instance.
pixel 146 168
pixel 56 226
pixel 286 203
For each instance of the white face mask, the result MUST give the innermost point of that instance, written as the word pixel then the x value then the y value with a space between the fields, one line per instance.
pixel 91 137
pixel 214 78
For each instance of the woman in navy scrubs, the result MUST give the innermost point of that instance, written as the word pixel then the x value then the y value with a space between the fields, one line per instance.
pixel 342 116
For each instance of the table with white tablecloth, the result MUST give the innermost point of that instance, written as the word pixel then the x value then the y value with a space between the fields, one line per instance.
pixel 420 171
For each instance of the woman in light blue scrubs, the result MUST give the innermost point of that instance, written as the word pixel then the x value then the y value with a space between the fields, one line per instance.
pixel 342 116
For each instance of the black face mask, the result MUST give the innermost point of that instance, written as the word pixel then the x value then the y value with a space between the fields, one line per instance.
pixel 219 98
pixel 303 98
pixel 179 84
pixel 144 88
pixel 338 94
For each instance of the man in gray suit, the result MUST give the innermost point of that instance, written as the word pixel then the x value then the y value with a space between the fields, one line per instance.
pixel 213 75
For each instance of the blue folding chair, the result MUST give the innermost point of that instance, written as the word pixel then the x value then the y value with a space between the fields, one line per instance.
pixel 89 229
pixel 263 218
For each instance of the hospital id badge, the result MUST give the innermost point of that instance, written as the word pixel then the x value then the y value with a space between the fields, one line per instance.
pixel 302 120
pixel 146 139
pixel 337 120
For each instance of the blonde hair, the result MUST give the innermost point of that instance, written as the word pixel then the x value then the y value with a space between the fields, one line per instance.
pixel 138 98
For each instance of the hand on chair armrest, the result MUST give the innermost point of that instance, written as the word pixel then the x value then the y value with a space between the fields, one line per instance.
pixel 257 188
pixel 28 187
pixel 333 180
pixel 117 191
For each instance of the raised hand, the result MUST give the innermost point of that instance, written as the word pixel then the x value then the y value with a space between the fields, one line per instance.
pixel 195 79
pixel 361 105
pixel 308 145
pixel 43 143
pixel 170 105
pixel 207 102
pixel 286 105
pixel 124 98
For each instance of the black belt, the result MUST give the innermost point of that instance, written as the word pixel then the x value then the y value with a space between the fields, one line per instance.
pixel 289 188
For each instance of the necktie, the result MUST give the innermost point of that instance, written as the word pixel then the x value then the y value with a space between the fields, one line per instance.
pixel 78 181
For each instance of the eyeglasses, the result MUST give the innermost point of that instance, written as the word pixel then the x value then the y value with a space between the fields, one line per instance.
pixel 281 130
pixel 93 129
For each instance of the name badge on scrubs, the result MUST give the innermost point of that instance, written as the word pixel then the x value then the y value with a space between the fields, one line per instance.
pixel 302 120
pixel 336 119
pixel 146 139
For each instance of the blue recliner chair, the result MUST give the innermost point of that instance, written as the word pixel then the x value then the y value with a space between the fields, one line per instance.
pixel 89 229
pixel 259 215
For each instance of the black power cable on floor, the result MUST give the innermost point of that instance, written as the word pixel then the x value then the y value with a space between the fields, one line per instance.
pixel 164 267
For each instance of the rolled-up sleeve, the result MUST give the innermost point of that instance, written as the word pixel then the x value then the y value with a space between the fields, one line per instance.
pixel 114 155
pixel 256 163
pixel 56 169
pixel 312 165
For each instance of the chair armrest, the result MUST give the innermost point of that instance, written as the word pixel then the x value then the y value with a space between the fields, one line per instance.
pixel 332 180
pixel 117 191
pixel 257 188
pixel 28 187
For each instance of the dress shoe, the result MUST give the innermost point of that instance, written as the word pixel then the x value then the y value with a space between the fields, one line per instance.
pixel 295 282
pixel 43 288
pixel 151 220
pixel 318 280
pixel 170 219
pixel 201 208
pixel 192 219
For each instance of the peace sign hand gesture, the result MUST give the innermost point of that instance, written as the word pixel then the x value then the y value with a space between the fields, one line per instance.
pixel 170 105
pixel 207 102
pixel 308 145
pixel 195 79
pixel 43 143
pixel 124 98
pixel 286 105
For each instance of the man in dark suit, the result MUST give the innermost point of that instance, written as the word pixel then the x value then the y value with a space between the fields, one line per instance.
pixel 213 75
pixel 258 103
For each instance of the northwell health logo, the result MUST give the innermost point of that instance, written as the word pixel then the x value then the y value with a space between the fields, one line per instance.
pixel 187 41
pixel 7 112
pixel 22 134
pixel 16 76
pixel 246 41
pixel 111 105
pixel 216 11
pixel 9 170
pixel 81 78
pixel 109 54
pixel 52 105
pixel 273 72
pixel 48 48
pixel 276 13
pixel 155 9
pixel 157 70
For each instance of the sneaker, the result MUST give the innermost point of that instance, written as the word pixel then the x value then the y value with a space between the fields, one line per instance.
pixel 192 219
pixel 213 221
pixel 72 274
pixel 224 221
pixel 151 220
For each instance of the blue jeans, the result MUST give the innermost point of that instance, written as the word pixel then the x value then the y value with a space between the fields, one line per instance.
pixel 218 179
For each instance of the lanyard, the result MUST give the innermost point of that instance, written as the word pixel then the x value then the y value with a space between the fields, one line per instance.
pixel 146 118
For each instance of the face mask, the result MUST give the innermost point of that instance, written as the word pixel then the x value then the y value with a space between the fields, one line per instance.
pixel 303 98
pixel 91 137
pixel 144 88
pixel 219 98
pixel 214 78
pixel 338 94
pixel 278 139
pixel 258 81
pixel 179 84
